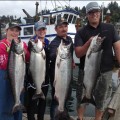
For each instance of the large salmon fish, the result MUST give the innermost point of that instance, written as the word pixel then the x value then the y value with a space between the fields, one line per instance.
pixel 37 66
pixel 63 73
pixel 92 65
pixel 16 72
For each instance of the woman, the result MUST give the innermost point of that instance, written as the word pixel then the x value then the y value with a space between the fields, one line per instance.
pixel 6 96
pixel 39 104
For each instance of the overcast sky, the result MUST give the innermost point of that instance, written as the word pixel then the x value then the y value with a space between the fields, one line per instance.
pixel 15 7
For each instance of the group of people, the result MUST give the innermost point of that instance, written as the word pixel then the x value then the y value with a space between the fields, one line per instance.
pixel 82 41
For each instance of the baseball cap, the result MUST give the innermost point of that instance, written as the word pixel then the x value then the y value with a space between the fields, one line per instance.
pixel 60 22
pixel 92 6
pixel 12 25
pixel 38 25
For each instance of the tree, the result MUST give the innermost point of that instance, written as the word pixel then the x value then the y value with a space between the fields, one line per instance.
pixel 115 10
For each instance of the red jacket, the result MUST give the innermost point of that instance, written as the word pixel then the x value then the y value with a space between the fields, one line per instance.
pixel 4 53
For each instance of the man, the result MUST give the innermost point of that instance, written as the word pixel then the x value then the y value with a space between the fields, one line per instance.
pixel 61 28
pixel 40 104
pixel 6 95
pixel 82 41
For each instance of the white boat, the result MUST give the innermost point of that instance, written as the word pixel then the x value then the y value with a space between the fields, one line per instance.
pixel 50 20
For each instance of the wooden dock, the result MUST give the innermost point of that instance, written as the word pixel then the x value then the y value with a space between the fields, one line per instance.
pixel 47 117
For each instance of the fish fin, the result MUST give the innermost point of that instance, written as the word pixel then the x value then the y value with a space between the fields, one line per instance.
pixel 89 53
pixel 23 90
pixel 85 100
pixel 103 38
pixel 58 64
pixel 92 100
pixel 17 107
pixel 36 96
pixel 54 83
pixel 23 55
pixel 56 51
pixel 43 55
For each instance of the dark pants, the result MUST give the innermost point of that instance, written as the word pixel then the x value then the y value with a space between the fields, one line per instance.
pixel 54 103
pixel 36 106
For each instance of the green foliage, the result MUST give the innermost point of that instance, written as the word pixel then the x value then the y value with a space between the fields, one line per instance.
pixel 115 11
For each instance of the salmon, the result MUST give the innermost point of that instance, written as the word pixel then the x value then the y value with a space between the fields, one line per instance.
pixel 92 65
pixel 63 73
pixel 16 72
pixel 37 66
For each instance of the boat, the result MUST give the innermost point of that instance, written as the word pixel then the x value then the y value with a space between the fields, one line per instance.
pixel 50 20
pixel 70 15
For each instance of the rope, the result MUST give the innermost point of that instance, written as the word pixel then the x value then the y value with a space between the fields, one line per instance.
pixel 60 3
pixel 52 4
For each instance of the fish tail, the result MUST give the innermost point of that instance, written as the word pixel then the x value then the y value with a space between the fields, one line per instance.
pixel 36 96
pixel 61 115
pixel 87 92
pixel 17 107
pixel 88 95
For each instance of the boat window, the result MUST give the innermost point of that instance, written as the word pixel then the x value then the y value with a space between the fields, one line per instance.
pixel 28 31
pixel 46 20
pixel 65 16
pixel 59 17
pixel 74 20
pixel 52 19
pixel 70 18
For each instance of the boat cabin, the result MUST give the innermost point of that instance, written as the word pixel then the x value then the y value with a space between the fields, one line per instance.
pixel 50 20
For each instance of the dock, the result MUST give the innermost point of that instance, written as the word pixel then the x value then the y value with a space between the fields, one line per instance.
pixel 47 117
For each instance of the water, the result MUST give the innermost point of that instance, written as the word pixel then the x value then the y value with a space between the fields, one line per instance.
pixel 90 109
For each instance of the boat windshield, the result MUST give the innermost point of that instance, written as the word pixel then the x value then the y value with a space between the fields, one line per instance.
pixel 65 16
pixel 70 19
pixel 74 20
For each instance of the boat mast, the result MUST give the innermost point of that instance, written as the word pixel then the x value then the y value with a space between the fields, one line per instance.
pixel 36 13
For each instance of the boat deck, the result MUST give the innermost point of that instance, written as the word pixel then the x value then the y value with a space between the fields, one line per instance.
pixel 47 117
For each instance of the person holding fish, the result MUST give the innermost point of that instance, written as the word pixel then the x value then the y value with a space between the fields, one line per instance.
pixel 38 73
pixel 61 51
pixel 6 92
pixel 95 87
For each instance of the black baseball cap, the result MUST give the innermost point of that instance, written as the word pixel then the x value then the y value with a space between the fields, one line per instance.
pixel 12 25
pixel 60 22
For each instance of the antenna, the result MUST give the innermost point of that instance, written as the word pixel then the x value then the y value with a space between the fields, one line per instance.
pixel 102 6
